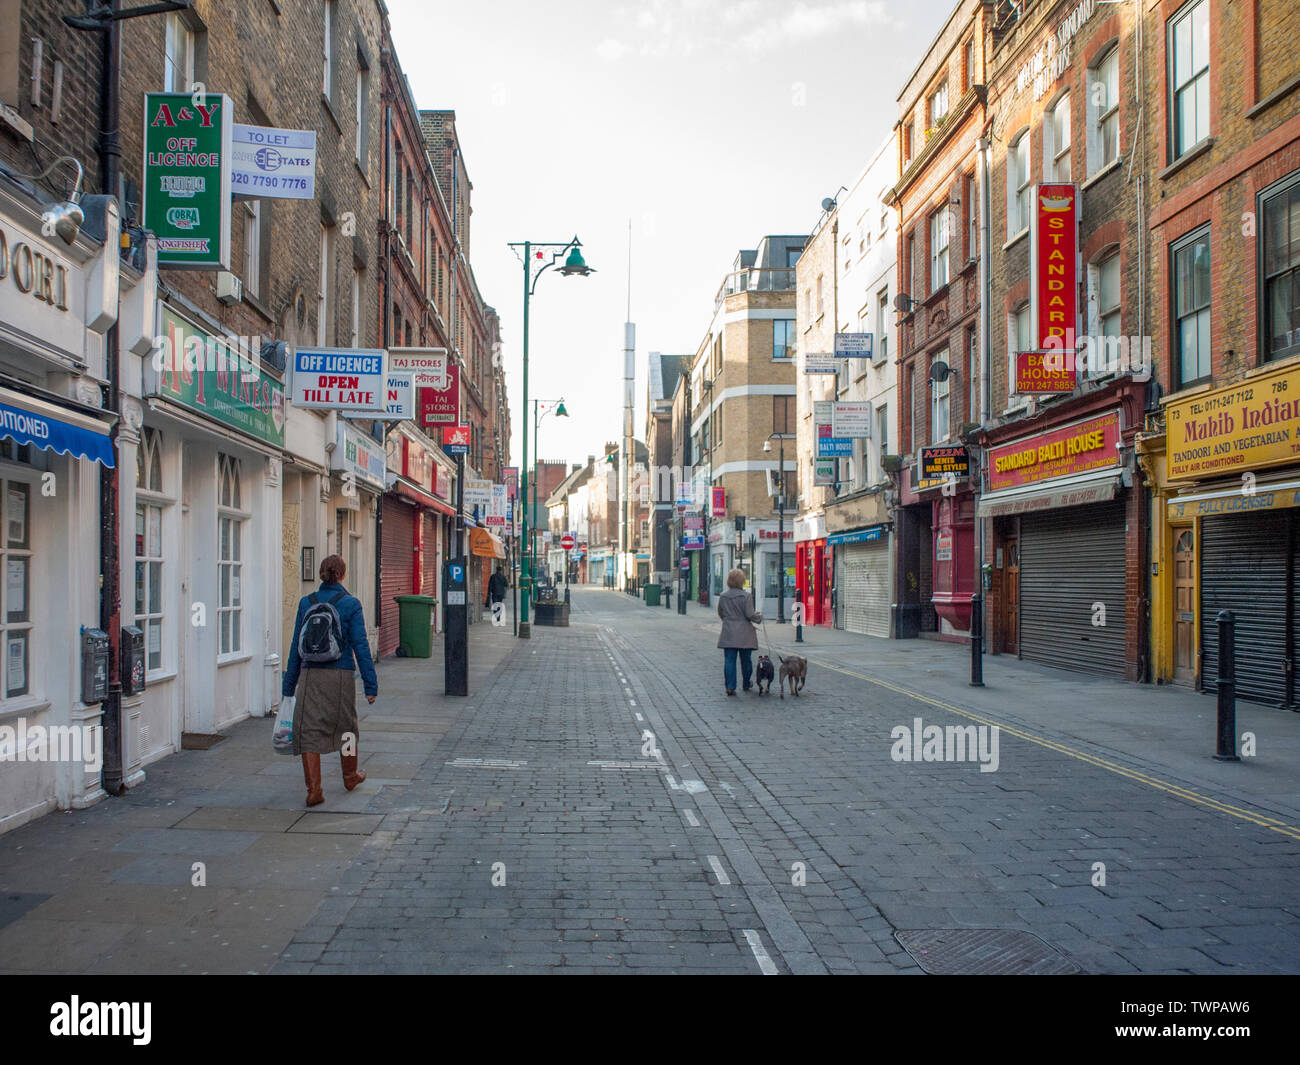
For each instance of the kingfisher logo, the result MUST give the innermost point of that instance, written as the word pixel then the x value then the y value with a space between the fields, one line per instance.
pixel 183 217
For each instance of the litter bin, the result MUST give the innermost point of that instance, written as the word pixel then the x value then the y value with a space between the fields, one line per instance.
pixel 652 595
pixel 415 625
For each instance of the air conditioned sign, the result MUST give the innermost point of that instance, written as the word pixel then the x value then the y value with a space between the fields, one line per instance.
pixel 276 163
pixel 340 379
pixel 187 177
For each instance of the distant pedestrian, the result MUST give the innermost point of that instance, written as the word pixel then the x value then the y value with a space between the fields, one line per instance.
pixel 496 590
pixel 736 609
pixel 329 644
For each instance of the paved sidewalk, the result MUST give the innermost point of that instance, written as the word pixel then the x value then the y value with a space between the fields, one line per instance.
pixel 110 889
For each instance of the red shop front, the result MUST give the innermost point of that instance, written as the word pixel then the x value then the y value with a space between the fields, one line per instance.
pixel 814 560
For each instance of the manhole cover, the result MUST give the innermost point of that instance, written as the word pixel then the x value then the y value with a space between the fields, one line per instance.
pixel 984 952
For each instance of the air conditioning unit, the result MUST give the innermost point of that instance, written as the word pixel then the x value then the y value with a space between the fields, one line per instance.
pixel 229 288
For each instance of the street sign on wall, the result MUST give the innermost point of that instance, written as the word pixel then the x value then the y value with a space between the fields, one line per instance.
pixel 853 345
pixel 829 447
pixel 852 420
pixel 186 187
pixel 819 362
pixel 440 406
pixel 339 379
pixel 276 163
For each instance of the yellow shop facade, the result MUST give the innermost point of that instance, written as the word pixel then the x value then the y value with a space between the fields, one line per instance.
pixel 1225 474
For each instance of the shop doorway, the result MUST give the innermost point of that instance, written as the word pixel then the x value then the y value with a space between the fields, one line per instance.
pixel 1184 606
pixel 1011 598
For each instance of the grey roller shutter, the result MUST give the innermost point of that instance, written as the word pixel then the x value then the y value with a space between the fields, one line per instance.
pixel 1244 568
pixel 1070 561
pixel 866 571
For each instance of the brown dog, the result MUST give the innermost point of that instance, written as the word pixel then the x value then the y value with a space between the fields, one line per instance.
pixel 796 669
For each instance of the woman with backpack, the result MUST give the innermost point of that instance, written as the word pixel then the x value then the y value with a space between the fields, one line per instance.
pixel 329 631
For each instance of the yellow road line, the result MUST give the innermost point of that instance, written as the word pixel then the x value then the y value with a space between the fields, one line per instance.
pixel 1271 823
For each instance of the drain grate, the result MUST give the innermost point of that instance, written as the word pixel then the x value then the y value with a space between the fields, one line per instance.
pixel 984 952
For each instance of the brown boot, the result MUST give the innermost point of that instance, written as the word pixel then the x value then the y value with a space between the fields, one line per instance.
pixel 311 771
pixel 352 776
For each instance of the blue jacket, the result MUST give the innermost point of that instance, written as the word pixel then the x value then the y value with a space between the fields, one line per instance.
pixel 353 621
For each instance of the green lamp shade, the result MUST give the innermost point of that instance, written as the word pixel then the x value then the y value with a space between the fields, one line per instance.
pixel 560 412
pixel 575 264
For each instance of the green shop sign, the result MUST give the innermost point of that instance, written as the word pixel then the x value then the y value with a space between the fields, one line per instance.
pixel 218 378
pixel 187 159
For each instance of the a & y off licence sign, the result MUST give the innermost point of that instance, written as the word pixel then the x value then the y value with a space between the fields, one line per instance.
pixel 354 379
pixel 1244 426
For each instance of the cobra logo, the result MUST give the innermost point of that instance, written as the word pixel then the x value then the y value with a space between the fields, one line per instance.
pixel 183 217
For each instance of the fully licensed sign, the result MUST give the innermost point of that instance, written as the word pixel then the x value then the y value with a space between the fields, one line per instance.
pixel 187 175
pixel 276 163
pixel 1079 448
pixel 943 461
pixel 1245 426
pixel 340 379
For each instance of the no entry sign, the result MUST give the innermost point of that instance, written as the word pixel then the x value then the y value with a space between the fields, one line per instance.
pixel 567 542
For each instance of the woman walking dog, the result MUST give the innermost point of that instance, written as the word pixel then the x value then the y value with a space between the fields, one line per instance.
pixel 738 637
pixel 329 631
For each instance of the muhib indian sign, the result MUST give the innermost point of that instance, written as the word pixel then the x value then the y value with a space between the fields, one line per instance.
pixel 216 378
pixel 1240 427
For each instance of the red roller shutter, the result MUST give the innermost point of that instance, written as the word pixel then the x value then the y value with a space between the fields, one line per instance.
pixel 399 568
pixel 431 524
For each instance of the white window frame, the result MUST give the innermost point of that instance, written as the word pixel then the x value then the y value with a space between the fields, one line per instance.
pixel 1103 114
pixel 791 332
pixel 1014 319
pixel 327 85
pixel 323 309
pixel 937 104
pixel 1019 167
pixel 973 372
pixel 1105 319
pixel 882 324
pixel 363 97
pixel 356 307
pixel 1197 81
pixel 940 237
pixel 1056 141
pixel 178 55
pixel 1203 313
pixel 230 562
pixel 152 497
pixel 940 404
pixel 253 246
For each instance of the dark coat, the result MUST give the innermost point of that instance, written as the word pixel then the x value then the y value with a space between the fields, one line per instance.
pixel 497 586
pixel 736 609
pixel 353 622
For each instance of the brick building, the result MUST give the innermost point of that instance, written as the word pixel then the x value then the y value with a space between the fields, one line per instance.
pixel 1064 119
pixel 942 113
pixel 1221 85
pixel 664 371
pixel 742 392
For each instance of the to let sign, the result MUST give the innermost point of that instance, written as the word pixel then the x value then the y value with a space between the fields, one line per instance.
pixel 186 188
pixel 1053 281
pixel 280 163
pixel 340 379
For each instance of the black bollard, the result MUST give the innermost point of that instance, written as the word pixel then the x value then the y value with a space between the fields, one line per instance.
pixel 976 642
pixel 1227 739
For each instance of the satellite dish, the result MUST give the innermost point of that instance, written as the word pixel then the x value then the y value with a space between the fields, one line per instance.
pixel 828 204
pixel 939 371
pixel 903 303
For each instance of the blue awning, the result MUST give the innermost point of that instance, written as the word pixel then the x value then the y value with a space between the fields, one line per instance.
pixel 52 428
pixel 861 536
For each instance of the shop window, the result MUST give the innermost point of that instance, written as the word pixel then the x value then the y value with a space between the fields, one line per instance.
pixel 150 509
pixel 1189 77
pixel 1103 111
pixel 231 518
pixel 1191 299
pixel 15 593
pixel 1280 272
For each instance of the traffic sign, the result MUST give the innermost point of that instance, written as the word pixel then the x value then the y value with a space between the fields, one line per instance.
pixel 567 542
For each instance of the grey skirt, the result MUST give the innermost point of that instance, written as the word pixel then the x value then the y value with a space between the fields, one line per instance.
pixel 326 711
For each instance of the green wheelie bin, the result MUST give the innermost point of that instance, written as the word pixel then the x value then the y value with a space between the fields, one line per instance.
pixel 415 625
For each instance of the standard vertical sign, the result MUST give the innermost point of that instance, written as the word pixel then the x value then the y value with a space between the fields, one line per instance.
pixel 1054 283
pixel 340 379
pixel 187 167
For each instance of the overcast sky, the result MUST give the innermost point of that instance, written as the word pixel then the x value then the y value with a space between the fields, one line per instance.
pixel 706 124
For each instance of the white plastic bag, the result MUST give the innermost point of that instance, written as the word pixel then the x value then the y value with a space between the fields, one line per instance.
pixel 282 737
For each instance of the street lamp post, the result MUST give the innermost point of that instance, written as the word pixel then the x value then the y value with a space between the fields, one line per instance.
pixel 780 527
pixel 556 407
pixel 534 254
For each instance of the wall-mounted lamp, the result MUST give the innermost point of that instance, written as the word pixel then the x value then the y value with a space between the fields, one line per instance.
pixel 66 217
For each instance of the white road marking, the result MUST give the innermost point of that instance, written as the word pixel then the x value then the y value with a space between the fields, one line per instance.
pixel 624 765
pixel 639 717
pixel 765 963
pixel 671 782
pixel 718 870
pixel 632 702
pixel 691 819
pixel 694 786
pixel 727 788
pixel 486 763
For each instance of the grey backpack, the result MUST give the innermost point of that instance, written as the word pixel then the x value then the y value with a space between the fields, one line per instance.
pixel 321 638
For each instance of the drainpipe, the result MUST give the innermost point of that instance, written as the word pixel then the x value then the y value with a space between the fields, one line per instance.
pixel 985 393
